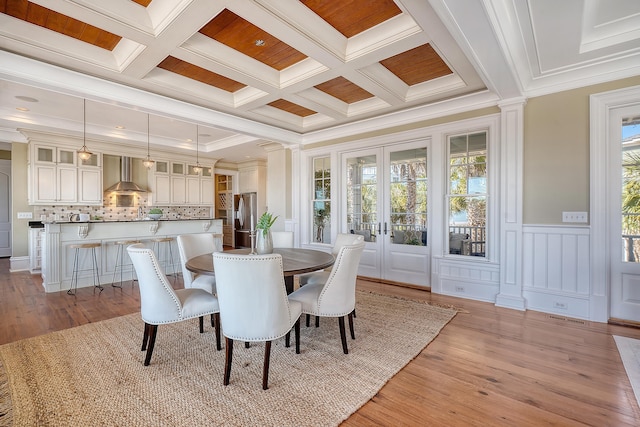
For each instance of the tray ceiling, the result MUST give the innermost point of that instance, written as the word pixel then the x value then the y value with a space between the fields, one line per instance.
pixel 291 71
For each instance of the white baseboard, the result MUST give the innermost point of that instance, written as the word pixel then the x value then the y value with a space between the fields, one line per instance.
pixel 18 264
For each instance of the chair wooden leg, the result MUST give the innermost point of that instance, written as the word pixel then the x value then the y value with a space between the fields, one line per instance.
pixel 265 368
pixel 308 318
pixel 201 322
pixel 317 321
pixel 353 333
pixel 145 336
pixel 287 339
pixel 297 333
pixel 228 359
pixel 213 323
pixel 247 344
pixel 217 329
pixel 343 335
pixel 153 330
pixel 354 312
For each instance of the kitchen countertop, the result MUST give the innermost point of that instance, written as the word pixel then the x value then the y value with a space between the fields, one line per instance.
pixel 128 220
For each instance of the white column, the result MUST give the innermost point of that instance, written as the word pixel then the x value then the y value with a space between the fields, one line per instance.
pixel 511 156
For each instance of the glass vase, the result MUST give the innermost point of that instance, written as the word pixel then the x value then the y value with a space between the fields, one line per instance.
pixel 264 242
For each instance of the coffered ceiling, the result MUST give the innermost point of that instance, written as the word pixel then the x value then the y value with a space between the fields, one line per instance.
pixel 234 75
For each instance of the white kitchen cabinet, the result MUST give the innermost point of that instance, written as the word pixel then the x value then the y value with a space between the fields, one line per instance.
pixel 56 177
pixel 177 183
pixel 90 186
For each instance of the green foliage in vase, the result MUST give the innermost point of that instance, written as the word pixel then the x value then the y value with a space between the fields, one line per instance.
pixel 155 211
pixel 265 222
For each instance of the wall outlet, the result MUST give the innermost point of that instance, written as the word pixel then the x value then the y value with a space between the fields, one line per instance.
pixel 25 215
pixel 574 217
pixel 459 288
pixel 560 305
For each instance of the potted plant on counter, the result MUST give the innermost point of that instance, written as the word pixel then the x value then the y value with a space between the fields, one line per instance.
pixel 264 242
pixel 155 213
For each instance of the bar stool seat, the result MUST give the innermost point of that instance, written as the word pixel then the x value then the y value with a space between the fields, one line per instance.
pixel 94 264
pixel 162 246
pixel 122 245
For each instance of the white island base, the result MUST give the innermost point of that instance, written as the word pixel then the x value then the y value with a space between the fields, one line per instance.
pixel 58 257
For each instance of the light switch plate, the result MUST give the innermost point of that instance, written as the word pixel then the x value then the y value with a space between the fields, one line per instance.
pixel 574 217
pixel 25 215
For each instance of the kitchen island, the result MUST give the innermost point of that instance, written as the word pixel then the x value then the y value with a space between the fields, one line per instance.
pixel 58 237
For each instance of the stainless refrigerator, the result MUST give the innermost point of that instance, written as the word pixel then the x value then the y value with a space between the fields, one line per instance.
pixel 245 217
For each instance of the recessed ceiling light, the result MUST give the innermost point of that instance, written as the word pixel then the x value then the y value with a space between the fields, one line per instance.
pixel 189 140
pixel 204 135
pixel 120 127
pixel 26 98
pixel 259 42
pixel 22 109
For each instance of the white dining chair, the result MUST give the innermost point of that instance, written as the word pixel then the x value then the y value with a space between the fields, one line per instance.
pixel 342 239
pixel 336 297
pixel 160 304
pixel 254 305
pixel 192 245
pixel 282 239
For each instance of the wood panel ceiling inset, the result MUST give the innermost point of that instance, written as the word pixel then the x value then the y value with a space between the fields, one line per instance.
pixel 241 35
pixel 344 90
pixel 351 17
pixel 63 24
pixel 143 3
pixel 200 74
pixel 290 107
pixel 417 65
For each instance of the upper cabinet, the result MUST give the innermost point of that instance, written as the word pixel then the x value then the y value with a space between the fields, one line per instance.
pixel 252 177
pixel 178 184
pixel 58 177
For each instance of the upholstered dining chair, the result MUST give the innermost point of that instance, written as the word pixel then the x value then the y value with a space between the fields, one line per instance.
pixel 282 239
pixel 192 245
pixel 161 304
pixel 342 239
pixel 254 305
pixel 336 297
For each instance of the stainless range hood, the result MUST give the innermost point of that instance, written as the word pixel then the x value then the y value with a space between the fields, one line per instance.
pixel 125 185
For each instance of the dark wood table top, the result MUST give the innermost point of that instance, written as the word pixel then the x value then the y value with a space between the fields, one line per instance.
pixel 294 261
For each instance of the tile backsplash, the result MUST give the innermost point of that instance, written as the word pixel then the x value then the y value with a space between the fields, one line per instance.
pixel 112 213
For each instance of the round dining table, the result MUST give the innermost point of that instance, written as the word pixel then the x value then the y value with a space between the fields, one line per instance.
pixel 294 261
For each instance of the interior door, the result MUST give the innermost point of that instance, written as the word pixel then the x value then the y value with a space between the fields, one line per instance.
pixel 5 208
pixel 386 201
pixel 624 213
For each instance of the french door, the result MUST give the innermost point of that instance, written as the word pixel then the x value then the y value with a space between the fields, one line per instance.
pixel 386 200
pixel 624 213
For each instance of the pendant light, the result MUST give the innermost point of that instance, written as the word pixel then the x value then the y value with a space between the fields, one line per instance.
pixel 197 168
pixel 84 153
pixel 148 162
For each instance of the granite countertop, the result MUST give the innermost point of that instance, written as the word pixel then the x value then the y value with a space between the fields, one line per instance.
pixel 129 220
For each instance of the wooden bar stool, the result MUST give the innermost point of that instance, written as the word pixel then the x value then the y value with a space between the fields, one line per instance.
pixel 162 246
pixel 94 267
pixel 122 245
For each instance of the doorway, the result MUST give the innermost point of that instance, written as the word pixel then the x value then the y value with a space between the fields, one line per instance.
pixel 5 208
pixel 386 200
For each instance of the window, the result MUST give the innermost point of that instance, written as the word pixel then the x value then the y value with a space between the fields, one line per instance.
pixel 321 200
pixel 467 194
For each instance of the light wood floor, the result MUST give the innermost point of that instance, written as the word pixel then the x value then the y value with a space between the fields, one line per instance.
pixel 488 367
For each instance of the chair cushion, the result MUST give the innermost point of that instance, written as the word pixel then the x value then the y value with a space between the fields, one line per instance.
pixel 196 302
pixel 315 277
pixel 309 295
pixel 206 282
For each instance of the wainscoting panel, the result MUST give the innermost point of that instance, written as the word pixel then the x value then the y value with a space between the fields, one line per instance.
pixel 477 280
pixel 555 269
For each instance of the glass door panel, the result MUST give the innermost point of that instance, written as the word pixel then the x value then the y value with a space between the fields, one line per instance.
pixel 362 196
pixel 408 197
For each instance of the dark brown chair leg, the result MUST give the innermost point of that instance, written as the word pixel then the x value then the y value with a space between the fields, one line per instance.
pixel 265 368
pixel 217 329
pixel 201 322
pixel 297 333
pixel 145 337
pixel 353 333
pixel 228 359
pixel 247 344
pixel 153 330
pixel 287 339
pixel 308 318
pixel 317 321
pixel 354 312
pixel 343 335
pixel 213 324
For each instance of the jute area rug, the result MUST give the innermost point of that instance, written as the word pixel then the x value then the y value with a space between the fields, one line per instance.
pixel 93 374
